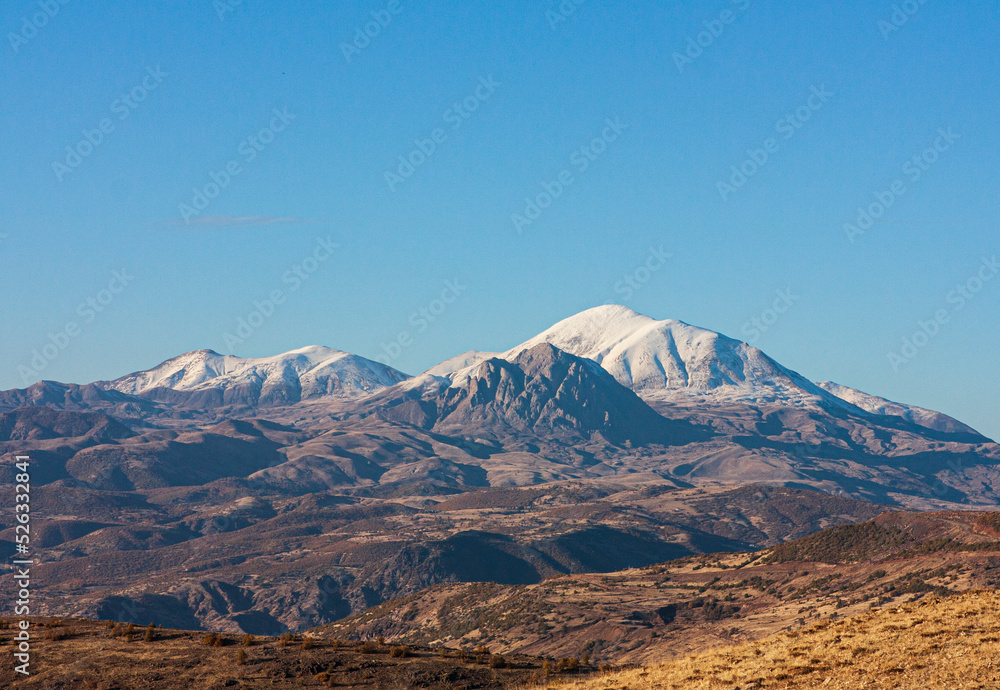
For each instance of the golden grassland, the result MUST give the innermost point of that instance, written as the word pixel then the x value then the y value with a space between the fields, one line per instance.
pixel 935 643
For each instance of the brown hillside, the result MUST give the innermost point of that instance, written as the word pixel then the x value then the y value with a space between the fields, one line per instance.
pixel 936 643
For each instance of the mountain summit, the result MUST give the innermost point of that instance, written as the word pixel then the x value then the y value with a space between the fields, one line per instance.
pixel 650 356
pixel 206 378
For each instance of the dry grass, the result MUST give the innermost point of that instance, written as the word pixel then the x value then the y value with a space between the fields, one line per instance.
pixel 949 643
pixel 89 657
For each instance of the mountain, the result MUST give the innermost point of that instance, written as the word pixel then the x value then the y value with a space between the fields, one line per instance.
pixel 542 391
pixel 204 378
pixel 654 357
pixel 630 398
pixel 881 406
pixel 333 484
pixel 674 362
pixel 69 396
pixel 665 360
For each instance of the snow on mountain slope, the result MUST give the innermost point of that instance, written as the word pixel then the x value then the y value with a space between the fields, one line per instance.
pixel 304 373
pixel 882 406
pixel 678 363
pixel 460 362
pixel 662 358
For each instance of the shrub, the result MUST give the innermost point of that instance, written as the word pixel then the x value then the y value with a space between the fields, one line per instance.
pixel 241 657
pixel 399 652
pixel 248 640
pixel 213 640
pixel 150 633
pixel 55 635
pixel 367 648
pixel 568 665
pixel 497 661
pixel 307 643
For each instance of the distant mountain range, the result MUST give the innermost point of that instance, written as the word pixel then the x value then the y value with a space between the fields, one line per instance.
pixel 607 392
pixel 663 360
pixel 207 379
pixel 281 492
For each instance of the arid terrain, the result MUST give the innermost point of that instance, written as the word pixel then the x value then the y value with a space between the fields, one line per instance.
pixel 952 642
pixel 906 600
pixel 231 562
pixel 99 655
pixel 643 615
pixel 651 491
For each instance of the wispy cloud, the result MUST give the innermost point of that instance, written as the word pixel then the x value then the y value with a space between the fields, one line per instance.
pixel 236 221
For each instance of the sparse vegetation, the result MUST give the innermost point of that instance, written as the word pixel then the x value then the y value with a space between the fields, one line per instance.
pixel 367 648
pixel 213 639
pixel 916 646
pixel 845 544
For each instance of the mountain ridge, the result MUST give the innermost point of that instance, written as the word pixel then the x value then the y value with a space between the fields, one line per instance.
pixel 309 372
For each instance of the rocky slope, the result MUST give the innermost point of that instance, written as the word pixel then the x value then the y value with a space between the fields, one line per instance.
pixel 649 614
pixel 221 557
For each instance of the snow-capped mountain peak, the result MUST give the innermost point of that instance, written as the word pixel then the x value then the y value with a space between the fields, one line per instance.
pixel 658 358
pixel 307 372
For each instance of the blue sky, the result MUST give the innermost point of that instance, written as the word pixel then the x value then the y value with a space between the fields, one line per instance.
pixel 506 95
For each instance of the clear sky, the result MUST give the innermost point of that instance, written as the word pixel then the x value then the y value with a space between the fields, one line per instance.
pixel 412 135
